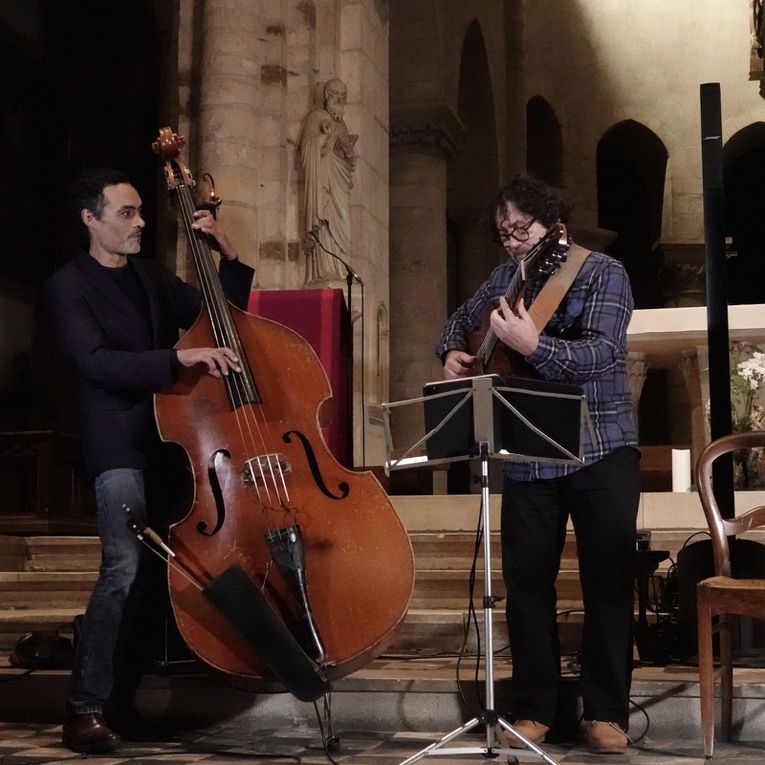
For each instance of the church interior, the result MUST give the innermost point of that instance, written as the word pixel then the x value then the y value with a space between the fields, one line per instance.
pixel 438 104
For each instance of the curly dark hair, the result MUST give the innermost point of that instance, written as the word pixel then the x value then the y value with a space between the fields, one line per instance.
pixel 530 195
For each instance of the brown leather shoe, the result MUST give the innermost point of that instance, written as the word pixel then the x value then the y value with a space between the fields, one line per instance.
pixel 88 734
pixel 605 737
pixel 534 731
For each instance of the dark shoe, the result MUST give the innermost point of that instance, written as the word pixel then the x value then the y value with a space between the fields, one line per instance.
pixel 534 731
pixel 605 737
pixel 131 725
pixel 88 734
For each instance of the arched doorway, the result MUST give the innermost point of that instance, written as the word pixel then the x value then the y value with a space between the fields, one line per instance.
pixel 744 160
pixel 472 174
pixel 631 170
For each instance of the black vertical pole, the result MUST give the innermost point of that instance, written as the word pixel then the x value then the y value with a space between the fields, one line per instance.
pixel 718 341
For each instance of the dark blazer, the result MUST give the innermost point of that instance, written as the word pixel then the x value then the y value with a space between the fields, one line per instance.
pixel 119 362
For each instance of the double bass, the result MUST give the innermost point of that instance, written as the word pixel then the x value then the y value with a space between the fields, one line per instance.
pixel 309 555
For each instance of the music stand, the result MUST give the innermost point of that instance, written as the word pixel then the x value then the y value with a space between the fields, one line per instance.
pixel 521 420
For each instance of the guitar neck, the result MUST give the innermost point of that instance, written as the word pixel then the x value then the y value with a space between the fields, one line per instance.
pixel 527 270
pixel 490 340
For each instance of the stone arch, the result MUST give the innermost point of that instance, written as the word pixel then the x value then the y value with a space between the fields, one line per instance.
pixel 544 142
pixel 473 173
pixel 631 173
pixel 743 160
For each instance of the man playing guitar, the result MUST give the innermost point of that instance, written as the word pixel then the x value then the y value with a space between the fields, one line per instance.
pixel 582 341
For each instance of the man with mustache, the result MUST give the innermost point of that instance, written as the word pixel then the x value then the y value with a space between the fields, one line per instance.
pixel 116 318
pixel 583 343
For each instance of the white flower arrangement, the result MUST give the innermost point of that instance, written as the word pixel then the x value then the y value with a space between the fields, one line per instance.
pixel 747 380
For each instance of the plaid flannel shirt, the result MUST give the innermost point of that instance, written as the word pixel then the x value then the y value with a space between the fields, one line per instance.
pixel 584 344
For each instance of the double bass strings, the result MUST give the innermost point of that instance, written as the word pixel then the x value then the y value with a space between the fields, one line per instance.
pixel 266 465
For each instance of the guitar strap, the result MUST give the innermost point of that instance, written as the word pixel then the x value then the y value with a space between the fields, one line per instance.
pixel 550 296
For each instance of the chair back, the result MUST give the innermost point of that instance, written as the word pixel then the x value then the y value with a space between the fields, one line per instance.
pixel 721 528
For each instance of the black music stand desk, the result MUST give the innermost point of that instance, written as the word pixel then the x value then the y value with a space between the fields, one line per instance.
pixel 480 418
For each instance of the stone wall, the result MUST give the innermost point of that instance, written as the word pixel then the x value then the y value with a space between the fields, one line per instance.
pixel 247 72
pixel 601 63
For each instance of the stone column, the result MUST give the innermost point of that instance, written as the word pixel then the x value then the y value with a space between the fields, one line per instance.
pixel 229 103
pixel 421 144
pixel 636 374
pixel 697 389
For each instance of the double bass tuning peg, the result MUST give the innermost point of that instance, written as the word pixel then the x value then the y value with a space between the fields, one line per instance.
pixel 212 202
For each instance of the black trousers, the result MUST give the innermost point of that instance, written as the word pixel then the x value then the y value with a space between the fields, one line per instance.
pixel 602 501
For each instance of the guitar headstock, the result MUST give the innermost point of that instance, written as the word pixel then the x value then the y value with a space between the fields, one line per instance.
pixel 546 256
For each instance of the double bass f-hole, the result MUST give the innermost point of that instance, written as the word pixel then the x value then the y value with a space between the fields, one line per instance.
pixel 220 503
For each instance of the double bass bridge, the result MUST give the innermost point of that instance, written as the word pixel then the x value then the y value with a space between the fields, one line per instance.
pixel 266 472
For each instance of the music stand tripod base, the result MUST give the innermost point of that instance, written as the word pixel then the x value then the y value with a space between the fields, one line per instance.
pixel 492 402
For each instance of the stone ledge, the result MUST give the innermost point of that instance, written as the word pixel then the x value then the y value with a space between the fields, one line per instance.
pixel 459 512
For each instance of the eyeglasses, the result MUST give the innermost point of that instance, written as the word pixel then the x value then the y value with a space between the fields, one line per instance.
pixel 519 232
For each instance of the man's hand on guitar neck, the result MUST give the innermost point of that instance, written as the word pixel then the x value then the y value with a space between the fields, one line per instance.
pixel 516 329
pixel 458 364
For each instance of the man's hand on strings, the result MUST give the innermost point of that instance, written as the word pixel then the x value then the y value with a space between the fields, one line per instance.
pixel 218 240
pixel 515 328
pixel 219 361
pixel 458 364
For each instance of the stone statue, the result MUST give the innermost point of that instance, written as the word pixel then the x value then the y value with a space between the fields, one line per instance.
pixel 328 157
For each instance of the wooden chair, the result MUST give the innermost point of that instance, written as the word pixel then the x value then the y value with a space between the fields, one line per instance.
pixel 721 595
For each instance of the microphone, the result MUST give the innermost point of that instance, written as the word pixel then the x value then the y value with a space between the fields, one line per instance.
pixel 314 234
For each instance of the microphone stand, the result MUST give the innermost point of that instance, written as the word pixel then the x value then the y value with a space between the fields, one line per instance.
pixel 350 277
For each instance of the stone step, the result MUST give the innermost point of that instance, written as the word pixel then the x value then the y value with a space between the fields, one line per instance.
pixel 49 553
pixel 45 589
pixel 413 695
pixel 13 553
pixel 63 553
pixel 15 622
pixel 441 589
pixel 432 549
pixel 442 631
pixel 455 549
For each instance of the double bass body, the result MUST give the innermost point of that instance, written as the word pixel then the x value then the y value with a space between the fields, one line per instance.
pixel 358 559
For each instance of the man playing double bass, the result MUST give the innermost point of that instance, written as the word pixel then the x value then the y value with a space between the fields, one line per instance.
pixel 116 318
pixel 583 343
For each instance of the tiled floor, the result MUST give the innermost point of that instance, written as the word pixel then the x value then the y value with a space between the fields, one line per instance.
pixel 40 744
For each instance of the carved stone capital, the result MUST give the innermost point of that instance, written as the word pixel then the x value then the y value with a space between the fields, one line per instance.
pixel 429 130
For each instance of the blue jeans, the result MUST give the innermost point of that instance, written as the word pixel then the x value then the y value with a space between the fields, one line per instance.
pixel 111 610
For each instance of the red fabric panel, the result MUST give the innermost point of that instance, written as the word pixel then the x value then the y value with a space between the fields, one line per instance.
pixel 321 317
